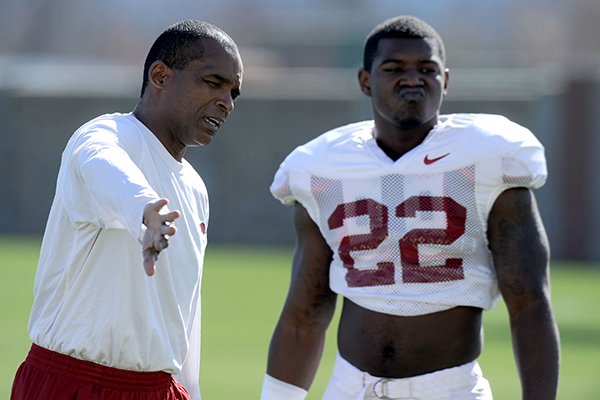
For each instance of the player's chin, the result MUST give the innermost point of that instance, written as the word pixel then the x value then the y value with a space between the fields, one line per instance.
pixel 414 116
pixel 408 121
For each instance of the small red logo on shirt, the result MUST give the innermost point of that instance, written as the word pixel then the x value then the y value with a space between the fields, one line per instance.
pixel 203 228
pixel 428 160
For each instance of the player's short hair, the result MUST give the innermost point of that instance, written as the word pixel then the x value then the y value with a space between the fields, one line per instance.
pixel 181 43
pixel 403 27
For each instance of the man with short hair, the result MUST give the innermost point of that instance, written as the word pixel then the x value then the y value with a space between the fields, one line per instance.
pixel 110 318
pixel 420 221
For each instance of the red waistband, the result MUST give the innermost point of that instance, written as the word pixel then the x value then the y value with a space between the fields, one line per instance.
pixel 87 371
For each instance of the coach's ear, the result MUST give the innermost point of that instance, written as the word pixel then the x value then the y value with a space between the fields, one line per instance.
pixel 158 74
pixel 363 81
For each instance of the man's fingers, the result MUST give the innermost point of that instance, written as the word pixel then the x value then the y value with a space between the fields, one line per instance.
pixel 154 218
pixel 171 216
pixel 168 230
pixel 158 223
pixel 150 257
pixel 159 204
pixel 153 214
pixel 150 254
pixel 160 244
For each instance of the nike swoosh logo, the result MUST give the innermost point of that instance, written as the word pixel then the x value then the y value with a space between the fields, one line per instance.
pixel 428 160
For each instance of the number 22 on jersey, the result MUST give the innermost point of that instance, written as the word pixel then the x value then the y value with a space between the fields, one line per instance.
pixel 412 270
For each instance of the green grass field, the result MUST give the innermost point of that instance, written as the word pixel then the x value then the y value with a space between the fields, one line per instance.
pixel 243 291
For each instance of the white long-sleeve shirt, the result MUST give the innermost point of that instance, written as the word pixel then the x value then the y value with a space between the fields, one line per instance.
pixel 92 298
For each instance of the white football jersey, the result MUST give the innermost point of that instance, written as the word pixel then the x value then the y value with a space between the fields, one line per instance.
pixel 409 236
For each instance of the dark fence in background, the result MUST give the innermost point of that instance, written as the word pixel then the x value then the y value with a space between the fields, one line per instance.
pixel 281 109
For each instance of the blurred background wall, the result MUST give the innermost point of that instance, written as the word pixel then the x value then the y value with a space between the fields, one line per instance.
pixel 63 62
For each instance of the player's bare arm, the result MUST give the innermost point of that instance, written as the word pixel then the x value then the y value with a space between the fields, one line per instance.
pixel 521 258
pixel 297 344
pixel 159 228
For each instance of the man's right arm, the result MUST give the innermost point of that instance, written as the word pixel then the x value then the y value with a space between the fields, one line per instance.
pixel 116 190
pixel 298 341
pixel 120 195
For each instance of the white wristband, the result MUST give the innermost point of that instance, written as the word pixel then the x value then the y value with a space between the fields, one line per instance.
pixel 274 389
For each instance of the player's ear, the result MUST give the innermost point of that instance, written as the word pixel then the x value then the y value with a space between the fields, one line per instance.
pixel 446 80
pixel 363 81
pixel 158 74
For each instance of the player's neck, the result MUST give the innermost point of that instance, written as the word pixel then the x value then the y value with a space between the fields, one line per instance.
pixel 396 141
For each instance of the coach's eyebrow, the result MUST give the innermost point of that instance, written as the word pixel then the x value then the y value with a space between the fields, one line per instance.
pixel 235 93
pixel 221 78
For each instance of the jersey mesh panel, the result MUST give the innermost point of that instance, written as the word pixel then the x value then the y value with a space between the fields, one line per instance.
pixel 401 240
pixel 515 173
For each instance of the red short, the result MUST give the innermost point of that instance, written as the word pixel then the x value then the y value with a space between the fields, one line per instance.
pixel 49 375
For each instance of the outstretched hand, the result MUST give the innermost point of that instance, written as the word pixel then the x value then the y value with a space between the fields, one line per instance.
pixel 159 228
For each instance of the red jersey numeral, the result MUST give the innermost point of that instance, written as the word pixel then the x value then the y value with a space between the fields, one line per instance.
pixel 378 222
pixel 456 215
pixel 412 271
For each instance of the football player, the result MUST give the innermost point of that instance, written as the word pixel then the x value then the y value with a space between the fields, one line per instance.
pixel 420 222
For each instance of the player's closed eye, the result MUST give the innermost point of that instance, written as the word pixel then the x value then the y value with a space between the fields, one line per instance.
pixel 398 69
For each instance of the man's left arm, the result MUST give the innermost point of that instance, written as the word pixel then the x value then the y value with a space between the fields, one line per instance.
pixel 521 254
